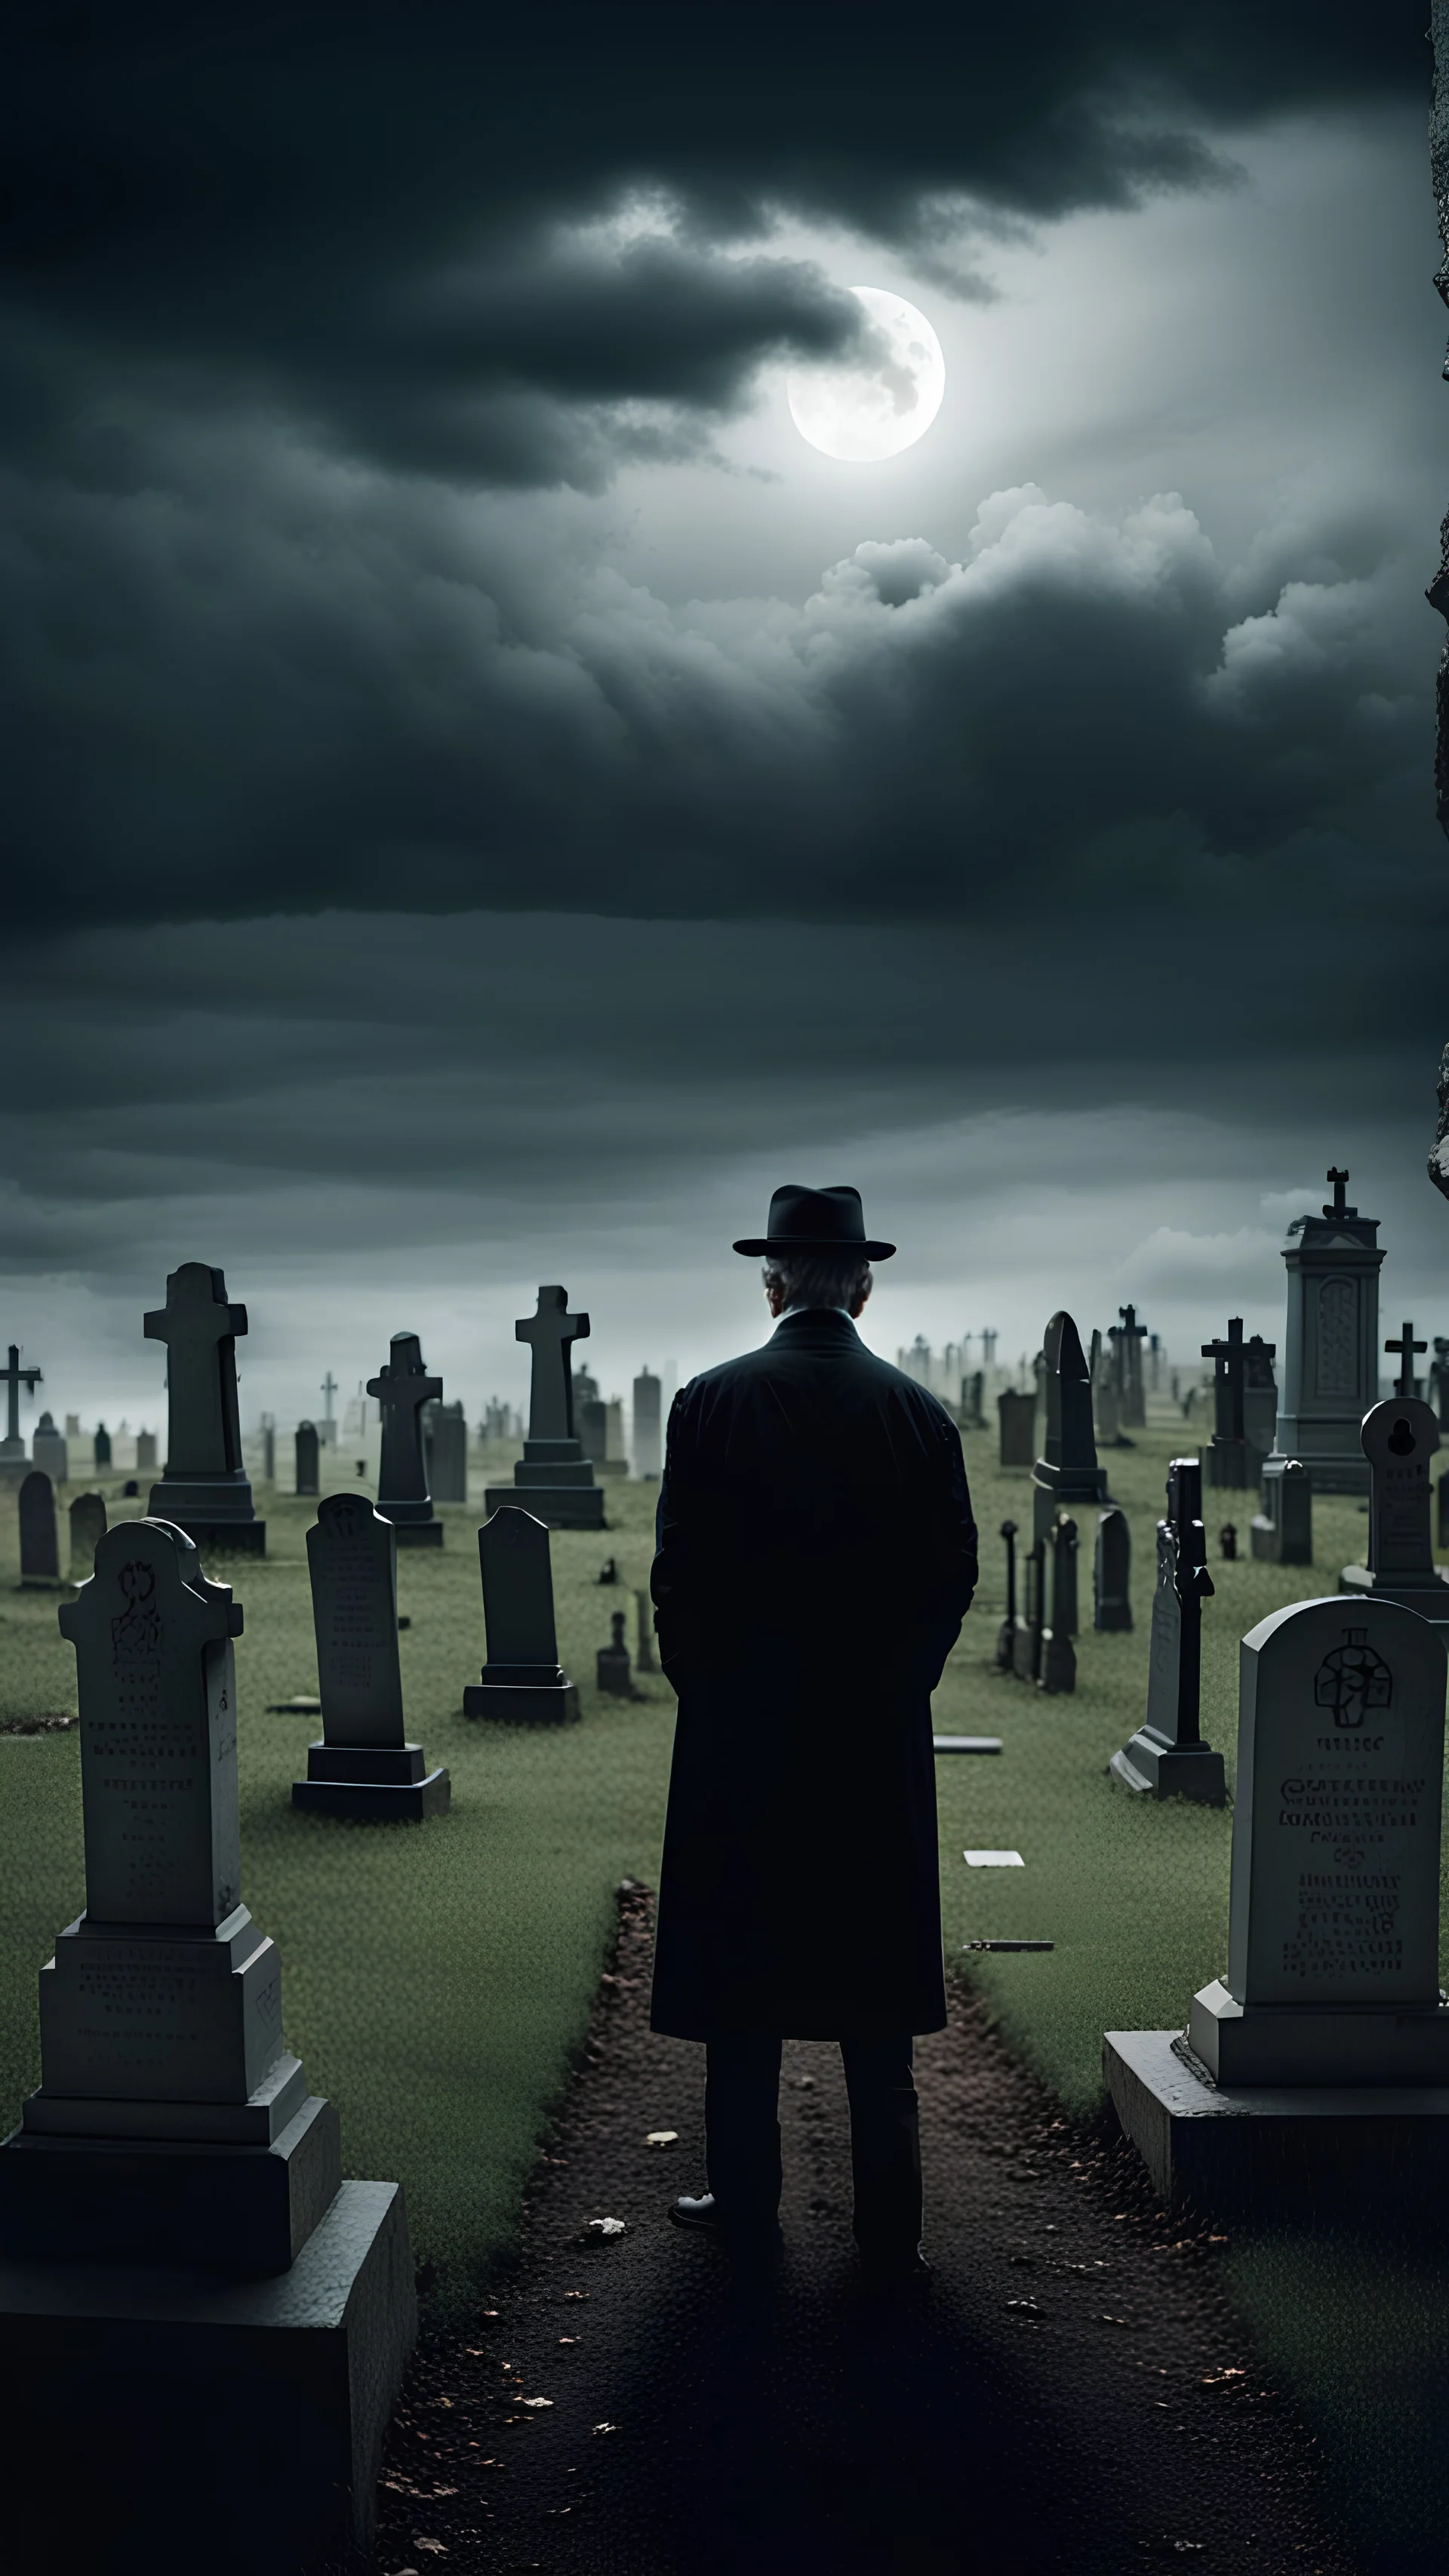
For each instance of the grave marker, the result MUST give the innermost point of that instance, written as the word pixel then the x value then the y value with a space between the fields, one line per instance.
pixel 522 1682
pixel 1231 1458
pixel 1331 1367
pixel 203 1488
pixel 1404 1348
pixel 307 1477
pixel 402 1388
pixel 553 1479
pixel 1439 1380
pixel 1006 1633
pixel 1067 1471
pixel 447 1440
pixel 644 1659
pixel 612 1668
pixel 1167 1757
pixel 13 1377
pixel 1026 1653
pixel 1228 1542
pixel 1399 1439
pixel 1016 1417
pixel 1127 1337
pixel 101 1446
pixel 1112 1572
pixel 1057 1661
pixel 39 1537
pixel 1282 1533
pixel 87 1529
pixel 50 1450
pixel 648 1426
pixel 363 1767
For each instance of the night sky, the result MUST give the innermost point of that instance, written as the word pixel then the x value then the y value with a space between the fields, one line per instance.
pixel 487 800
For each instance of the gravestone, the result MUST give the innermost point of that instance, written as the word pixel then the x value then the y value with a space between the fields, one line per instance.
pixel 49 1450
pixel 364 1767
pixel 523 1682
pixel 1400 1438
pixel 39 1537
pixel 13 1461
pixel 101 1446
pixel 1331 1368
pixel 1282 1533
pixel 592 1416
pixel 447 1439
pixel 1067 1471
pixel 402 1389
pixel 644 1657
pixel 1167 1757
pixel 1228 1542
pixel 307 1467
pixel 173 2131
pixel 1106 1410
pixel 1057 1660
pixel 203 1488
pixel 1026 1650
pixel 1404 1349
pixel 1112 1571
pixel 1231 1458
pixel 327 1427
pixel 1439 1380
pixel 1260 1398
pixel 553 1480
pixel 1006 1633
pixel 1333 1938
pixel 1127 1337
pixel 269 1451
pixel 648 1425
pixel 1016 1415
pixel 612 1668
pixel 146 1453
pixel 973 1402
pixel 87 1529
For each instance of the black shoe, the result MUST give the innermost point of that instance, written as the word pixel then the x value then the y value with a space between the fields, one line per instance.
pixel 703 2217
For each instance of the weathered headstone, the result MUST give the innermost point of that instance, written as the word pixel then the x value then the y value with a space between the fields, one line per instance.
pixel 269 1450
pixel 1106 1407
pixel 522 1682
pixel 1400 1438
pixel 1026 1655
pixel 402 1389
pixel 1112 1571
pixel 1228 1542
pixel 39 1537
pixel 1260 1398
pixel 592 1417
pixel 101 1446
pixel 327 1427
pixel 1331 1368
pixel 13 1460
pixel 1231 1458
pixel 87 1529
pixel 50 1451
pixel 1282 1533
pixel 308 1470
pixel 973 1401
pixel 204 1487
pixel 1167 1756
pixel 447 1439
pixel 1016 1415
pixel 1127 1337
pixel 1006 1633
pixel 1333 1939
pixel 644 1658
pixel 1057 1662
pixel 553 1480
pixel 146 1453
pixel 1067 1471
pixel 613 1672
pixel 364 1767
pixel 648 1425
pixel 173 2132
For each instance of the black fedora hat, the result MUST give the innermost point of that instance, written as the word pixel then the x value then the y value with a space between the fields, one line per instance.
pixel 816 1221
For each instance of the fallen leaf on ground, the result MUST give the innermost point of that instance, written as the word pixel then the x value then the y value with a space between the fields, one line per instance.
pixel 566 2339
pixel 662 2138
pixel 535 2401
pixel 605 2227
pixel 605 2428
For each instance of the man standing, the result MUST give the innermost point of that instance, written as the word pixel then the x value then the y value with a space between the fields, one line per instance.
pixel 816 1556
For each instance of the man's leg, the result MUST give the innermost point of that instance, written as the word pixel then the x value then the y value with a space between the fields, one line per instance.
pixel 742 2127
pixel 885 2149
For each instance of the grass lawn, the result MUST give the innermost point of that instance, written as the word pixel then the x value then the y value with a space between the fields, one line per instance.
pixel 436 1979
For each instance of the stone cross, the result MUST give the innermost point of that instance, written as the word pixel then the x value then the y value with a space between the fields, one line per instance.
pixel 13 1377
pixel 1227 1359
pixel 1339 1184
pixel 39 1538
pixel 1127 1337
pixel 402 1389
pixel 1405 1347
pixel 550 1333
pixel 329 1389
pixel 200 1327
pixel 1168 1757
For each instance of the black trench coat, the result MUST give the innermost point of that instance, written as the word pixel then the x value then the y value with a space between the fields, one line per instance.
pixel 816 1556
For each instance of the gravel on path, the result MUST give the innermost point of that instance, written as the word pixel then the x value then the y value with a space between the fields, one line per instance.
pixel 1068 2389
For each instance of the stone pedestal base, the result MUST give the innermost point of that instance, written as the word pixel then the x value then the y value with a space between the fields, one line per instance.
pixel 1156 1768
pixel 215 1512
pixel 1429 1600
pixel 1230 1463
pixel 380 1783
pixel 1297 2152
pixel 235 2425
pixel 415 1533
pixel 557 1506
pixel 1288 2044
pixel 95 2200
pixel 519 1704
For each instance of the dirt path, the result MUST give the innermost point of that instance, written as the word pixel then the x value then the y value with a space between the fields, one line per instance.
pixel 1068 2391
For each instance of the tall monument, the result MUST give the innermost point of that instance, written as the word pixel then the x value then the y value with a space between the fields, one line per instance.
pixel 554 1479
pixel 1331 1371
pixel 204 1487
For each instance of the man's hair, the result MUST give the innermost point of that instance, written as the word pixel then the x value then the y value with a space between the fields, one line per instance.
pixel 818 1278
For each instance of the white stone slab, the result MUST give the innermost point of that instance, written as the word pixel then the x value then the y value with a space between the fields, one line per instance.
pixel 993 1860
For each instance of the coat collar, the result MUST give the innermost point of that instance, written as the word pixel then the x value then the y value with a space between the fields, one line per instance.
pixel 818 1319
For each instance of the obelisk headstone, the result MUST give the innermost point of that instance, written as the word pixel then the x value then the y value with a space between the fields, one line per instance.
pixel 87 1529
pixel 1167 1757
pixel 1399 1439
pixel 307 1479
pixel 522 1682
pixel 553 1480
pixel 1112 1571
pixel 364 1767
pixel 1067 1470
pixel 402 1389
pixel 204 1487
pixel 39 1536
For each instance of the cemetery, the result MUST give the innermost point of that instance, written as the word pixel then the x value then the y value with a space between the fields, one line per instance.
pixel 439 1869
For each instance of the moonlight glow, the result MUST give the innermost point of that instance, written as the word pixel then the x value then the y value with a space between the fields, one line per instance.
pixel 868 407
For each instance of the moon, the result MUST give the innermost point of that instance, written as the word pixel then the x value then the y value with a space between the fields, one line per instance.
pixel 861 411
